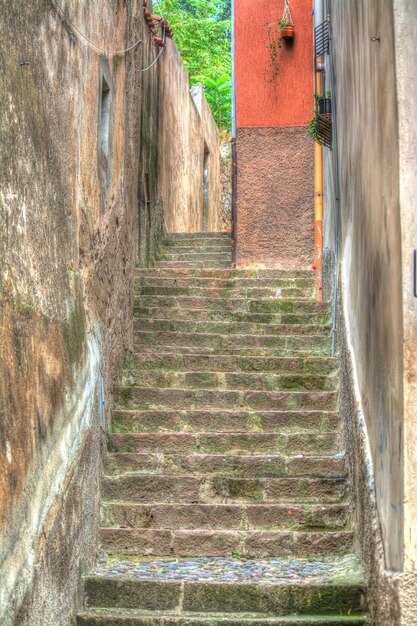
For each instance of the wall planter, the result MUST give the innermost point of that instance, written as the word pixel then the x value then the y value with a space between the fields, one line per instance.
pixel 287 32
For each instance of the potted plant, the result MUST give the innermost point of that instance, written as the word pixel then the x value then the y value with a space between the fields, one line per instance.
pixel 286 28
pixel 325 103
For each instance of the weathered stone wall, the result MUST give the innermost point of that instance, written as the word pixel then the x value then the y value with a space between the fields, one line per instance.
pixel 187 131
pixel 376 106
pixel 226 183
pixel 74 220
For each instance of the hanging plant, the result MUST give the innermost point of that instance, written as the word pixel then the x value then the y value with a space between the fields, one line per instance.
pixel 277 31
pixel 286 22
pixel 274 44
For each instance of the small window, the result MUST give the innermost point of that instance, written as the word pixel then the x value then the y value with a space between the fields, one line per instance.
pixel 105 111
pixel 105 132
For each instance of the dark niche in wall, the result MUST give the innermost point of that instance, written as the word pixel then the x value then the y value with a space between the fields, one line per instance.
pixel 105 130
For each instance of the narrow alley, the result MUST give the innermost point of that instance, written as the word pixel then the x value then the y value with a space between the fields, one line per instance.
pixel 208 313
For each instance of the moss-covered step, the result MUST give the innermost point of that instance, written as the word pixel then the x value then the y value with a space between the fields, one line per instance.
pixel 235 304
pixel 242 443
pixel 203 489
pixel 150 542
pixel 222 315
pixel 237 465
pixel 232 282
pixel 227 327
pixel 221 516
pixel 135 397
pixel 332 586
pixel 228 343
pixel 260 381
pixel 291 293
pixel 227 420
pixel 106 617
pixel 313 365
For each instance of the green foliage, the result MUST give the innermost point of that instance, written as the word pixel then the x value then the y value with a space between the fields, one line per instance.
pixel 202 32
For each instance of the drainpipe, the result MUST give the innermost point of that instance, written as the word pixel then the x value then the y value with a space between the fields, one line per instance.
pixel 318 173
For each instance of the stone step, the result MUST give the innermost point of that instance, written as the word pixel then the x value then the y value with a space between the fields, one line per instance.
pixel 235 304
pixel 202 315
pixel 203 234
pixel 321 366
pixel 175 265
pixel 226 274
pixel 194 256
pixel 136 397
pixel 222 516
pixel 124 617
pixel 286 293
pixel 227 328
pixel 196 245
pixel 329 587
pixel 227 443
pixel 234 282
pixel 250 544
pixel 165 488
pixel 237 466
pixel 231 344
pixel 259 381
pixel 224 421
pixel 294 349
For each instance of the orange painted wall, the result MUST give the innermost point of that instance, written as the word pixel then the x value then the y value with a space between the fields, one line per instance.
pixel 288 100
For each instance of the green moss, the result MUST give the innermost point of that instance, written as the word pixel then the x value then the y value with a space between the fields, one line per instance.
pixel 255 423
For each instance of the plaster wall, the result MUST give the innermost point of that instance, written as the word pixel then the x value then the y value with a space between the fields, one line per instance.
pixel 187 128
pixel 376 108
pixel 69 241
pixel 274 185
pixel 275 197
pixel 261 100
pixel 370 231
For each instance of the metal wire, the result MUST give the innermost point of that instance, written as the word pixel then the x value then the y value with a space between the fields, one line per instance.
pixel 90 43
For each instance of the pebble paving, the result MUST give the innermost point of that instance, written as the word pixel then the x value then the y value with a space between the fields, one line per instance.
pixel 301 571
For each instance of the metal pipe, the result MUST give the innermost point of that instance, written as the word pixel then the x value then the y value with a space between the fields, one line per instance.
pixel 318 177
pixel 318 209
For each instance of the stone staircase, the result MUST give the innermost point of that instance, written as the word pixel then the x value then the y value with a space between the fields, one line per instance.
pixel 224 495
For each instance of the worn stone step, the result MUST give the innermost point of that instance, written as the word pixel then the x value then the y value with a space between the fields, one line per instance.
pixel 227 273
pixel 227 443
pixel 295 587
pixel 223 421
pixel 231 343
pixel 234 282
pixel 230 363
pixel 201 315
pixel 294 349
pixel 250 544
pixel 214 244
pixel 202 234
pixel 136 397
pixel 108 617
pixel 174 264
pixel 235 304
pixel 260 381
pixel 223 328
pixel 165 488
pixel 224 516
pixel 238 466
pixel 300 293
pixel 197 255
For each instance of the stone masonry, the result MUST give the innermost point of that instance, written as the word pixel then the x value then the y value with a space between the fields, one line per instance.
pixel 224 496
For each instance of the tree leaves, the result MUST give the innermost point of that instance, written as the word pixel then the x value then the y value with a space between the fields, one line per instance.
pixel 202 31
